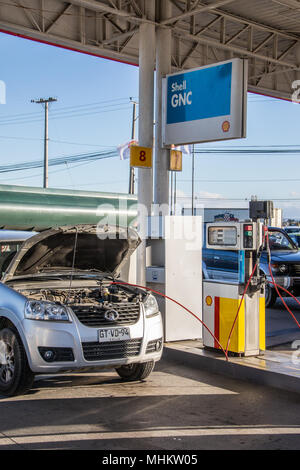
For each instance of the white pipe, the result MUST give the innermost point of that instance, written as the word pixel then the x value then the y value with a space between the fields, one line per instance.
pixel 146 117
pixel 163 67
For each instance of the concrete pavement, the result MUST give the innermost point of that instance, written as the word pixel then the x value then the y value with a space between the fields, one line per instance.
pixel 180 407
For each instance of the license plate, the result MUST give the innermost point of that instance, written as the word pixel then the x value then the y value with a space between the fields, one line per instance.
pixel 113 334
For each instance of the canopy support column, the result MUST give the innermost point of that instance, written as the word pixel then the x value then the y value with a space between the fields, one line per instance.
pixel 146 118
pixel 163 67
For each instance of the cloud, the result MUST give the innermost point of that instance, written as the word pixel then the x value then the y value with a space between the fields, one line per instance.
pixel 199 195
pixel 208 195
pixel 290 209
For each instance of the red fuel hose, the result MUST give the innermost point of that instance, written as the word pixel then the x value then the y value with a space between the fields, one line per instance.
pixel 225 351
pixel 244 293
pixel 180 305
pixel 238 310
pixel 278 293
pixel 266 236
pixel 289 293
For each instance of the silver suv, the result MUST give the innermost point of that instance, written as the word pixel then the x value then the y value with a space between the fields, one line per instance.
pixel 63 308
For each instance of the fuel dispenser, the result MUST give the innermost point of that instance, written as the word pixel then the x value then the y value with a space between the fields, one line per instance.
pixel 234 310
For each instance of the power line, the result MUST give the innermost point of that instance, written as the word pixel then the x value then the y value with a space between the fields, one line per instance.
pixel 199 149
pixel 109 153
pixel 247 151
pixel 74 115
pixel 254 180
pixel 245 199
pixel 60 112
pixel 113 102
pixel 70 159
pixel 80 110
pixel 56 141
pixel 65 116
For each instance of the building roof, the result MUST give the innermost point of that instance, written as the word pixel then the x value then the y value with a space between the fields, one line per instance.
pixel 267 32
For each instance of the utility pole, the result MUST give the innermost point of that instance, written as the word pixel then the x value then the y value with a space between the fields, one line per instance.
pixel 131 168
pixel 46 138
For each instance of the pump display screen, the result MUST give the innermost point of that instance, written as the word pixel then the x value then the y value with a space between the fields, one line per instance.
pixel 222 236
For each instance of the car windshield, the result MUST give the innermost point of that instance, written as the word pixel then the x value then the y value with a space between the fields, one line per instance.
pixel 292 230
pixel 279 241
pixel 295 237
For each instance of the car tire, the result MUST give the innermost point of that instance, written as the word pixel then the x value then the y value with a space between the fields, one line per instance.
pixel 132 372
pixel 270 295
pixel 16 377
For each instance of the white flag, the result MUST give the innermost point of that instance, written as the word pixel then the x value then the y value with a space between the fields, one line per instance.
pixel 187 149
pixel 124 150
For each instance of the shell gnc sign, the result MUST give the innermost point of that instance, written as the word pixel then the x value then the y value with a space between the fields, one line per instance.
pixel 205 104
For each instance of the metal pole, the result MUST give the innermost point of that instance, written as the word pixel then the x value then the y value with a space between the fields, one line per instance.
pixel 171 203
pixel 131 169
pixel 46 138
pixel 146 117
pixel 163 67
pixel 193 178
pixel 46 147
pixel 175 191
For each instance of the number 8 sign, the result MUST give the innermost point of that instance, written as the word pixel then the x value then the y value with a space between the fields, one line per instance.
pixel 141 156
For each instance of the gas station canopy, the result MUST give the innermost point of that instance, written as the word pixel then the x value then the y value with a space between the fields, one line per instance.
pixel 267 32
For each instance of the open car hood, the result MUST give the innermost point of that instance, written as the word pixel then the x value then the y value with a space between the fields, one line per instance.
pixel 105 248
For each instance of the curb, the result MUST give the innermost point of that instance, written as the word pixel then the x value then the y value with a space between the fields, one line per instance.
pixel 267 372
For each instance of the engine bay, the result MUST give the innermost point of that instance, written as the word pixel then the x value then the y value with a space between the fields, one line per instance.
pixel 102 295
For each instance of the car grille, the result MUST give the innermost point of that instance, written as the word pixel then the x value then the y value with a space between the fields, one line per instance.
pixel 111 350
pixel 93 315
pixel 295 269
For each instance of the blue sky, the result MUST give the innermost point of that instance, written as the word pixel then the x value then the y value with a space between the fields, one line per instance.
pixel 32 70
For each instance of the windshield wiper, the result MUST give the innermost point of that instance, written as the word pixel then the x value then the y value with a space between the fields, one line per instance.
pixel 67 270
pixel 93 273
pixel 39 276
pixel 87 273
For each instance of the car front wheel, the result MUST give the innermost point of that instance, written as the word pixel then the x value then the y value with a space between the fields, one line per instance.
pixel 132 372
pixel 270 295
pixel 15 375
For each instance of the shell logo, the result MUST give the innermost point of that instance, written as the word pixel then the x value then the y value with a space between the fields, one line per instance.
pixel 208 300
pixel 225 126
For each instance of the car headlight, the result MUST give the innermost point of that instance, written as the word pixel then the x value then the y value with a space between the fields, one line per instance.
pixel 280 268
pixel 49 311
pixel 283 268
pixel 151 306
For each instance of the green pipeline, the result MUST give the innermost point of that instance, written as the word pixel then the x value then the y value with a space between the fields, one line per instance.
pixel 30 208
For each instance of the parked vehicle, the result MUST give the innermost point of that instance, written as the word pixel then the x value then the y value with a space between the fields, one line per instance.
pixel 285 263
pixel 291 229
pixel 295 237
pixel 60 309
